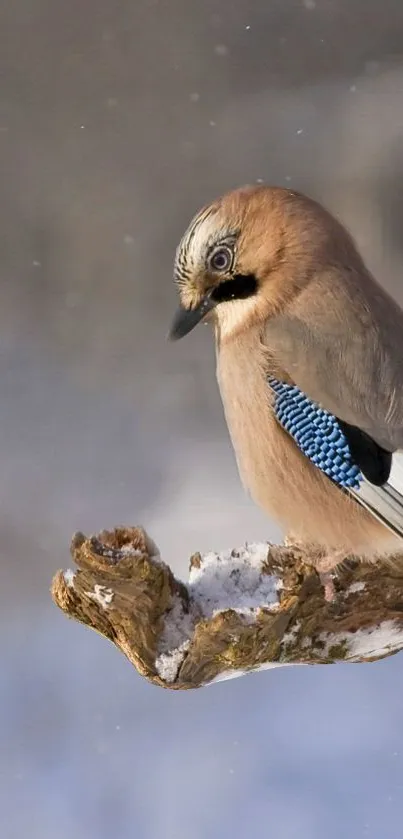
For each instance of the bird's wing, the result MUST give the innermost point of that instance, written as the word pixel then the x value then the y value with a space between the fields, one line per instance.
pixel 321 438
pixel 341 342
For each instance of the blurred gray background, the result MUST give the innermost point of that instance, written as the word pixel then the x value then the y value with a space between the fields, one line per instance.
pixel 117 121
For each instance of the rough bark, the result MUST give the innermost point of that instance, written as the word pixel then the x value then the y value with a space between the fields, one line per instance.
pixel 183 636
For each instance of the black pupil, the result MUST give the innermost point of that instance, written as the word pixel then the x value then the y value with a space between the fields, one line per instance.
pixel 220 260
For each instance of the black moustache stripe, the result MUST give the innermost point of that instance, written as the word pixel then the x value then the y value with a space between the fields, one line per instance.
pixel 239 288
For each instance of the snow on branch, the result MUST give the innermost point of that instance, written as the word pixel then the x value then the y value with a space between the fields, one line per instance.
pixel 243 610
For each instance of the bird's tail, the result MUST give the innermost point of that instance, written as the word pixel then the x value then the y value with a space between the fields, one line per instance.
pixel 385 502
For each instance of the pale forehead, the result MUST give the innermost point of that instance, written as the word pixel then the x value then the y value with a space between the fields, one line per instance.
pixel 223 218
pixel 204 229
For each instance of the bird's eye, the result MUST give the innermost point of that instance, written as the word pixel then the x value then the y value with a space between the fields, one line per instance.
pixel 221 259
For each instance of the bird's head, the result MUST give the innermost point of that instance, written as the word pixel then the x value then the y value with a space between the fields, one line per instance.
pixel 244 257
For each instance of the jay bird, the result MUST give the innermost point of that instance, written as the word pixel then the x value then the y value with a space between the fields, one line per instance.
pixel 309 352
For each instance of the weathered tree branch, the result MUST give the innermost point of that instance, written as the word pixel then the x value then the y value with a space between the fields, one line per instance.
pixel 261 606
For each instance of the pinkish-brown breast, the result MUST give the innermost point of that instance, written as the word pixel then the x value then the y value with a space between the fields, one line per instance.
pixel 278 476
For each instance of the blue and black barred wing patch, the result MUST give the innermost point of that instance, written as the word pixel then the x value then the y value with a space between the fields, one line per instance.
pixel 317 433
pixel 320 437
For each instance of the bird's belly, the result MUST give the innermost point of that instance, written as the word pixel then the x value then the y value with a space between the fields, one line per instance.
pixel 281 480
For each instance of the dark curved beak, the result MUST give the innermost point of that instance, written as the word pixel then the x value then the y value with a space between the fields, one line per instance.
pixel 186 319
